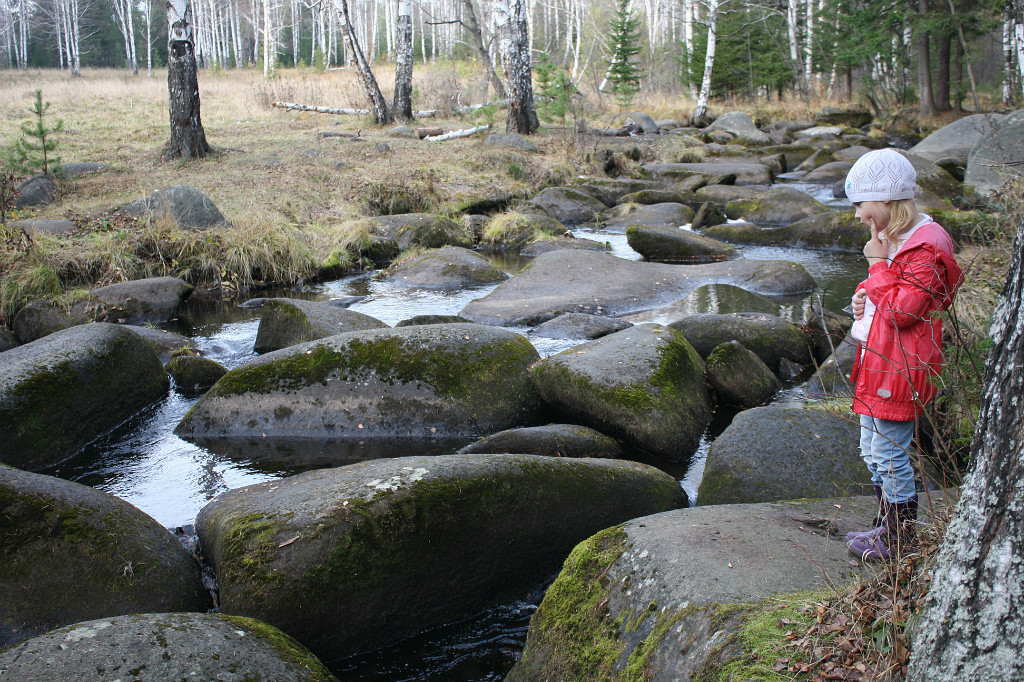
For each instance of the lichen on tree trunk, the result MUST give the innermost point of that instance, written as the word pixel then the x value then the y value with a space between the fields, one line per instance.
pixel 514 47
pixel 188 139
pixel 970 628
pixel 403 62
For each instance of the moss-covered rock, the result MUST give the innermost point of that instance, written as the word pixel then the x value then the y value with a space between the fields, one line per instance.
pixel 70 553
pixel 515 230
pixel 356 557
pixel 539 248
pixel 721 297
pixel 427 230
pixel 7 339
pixel 832 377
pixel 193 374
pixel 62 391
pixel 612 190
pixel 164 343
pixel 781 453
pixel 569 206
pixel 416 320
pixel 553 440
pixel 674 245
pixel 658 196
pixel 777 206
pixel 447 268
pixel 723 194
pixel 771 338
pixel 444 380
pixel 677 595
pixel 747 173
pixel 831 230
pixel 165 646
pixel 621 217
pixel 739 377
pixel 580 326
pixel 707 215
pixel 155 299
pixel 643 385
pixel 39 319
pixel 932 178
pixel 285 322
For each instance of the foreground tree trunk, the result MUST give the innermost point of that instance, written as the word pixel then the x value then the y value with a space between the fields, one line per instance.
pixel 378 105
pixel 924 67
pixel 188 139
pixel 514 47
pixel 970 628
pixel 403 62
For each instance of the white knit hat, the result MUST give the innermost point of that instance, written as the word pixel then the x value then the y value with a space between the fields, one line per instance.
pixel 881 175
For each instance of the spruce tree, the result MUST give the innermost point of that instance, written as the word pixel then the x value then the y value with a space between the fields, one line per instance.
pixel 623 72
pixel 33 153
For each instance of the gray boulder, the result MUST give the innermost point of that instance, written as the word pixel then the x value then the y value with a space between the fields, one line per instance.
pixel 155 299
pixel 73 553
pixel 400 131
pixel 193 374
pixel 723 194
pixel 661 593
pixel 582 281
pixel 958 138
pixel 569 206
pixel 60 228
pixel 834 171
pixel 167 646
pixel 819 158
pixel 643 385
pixel 674 245
pixel 401 545
pixel 73 168
pixel 510 141
pixel 833 231
pixel 611 191
pixel 427 230
pixel 285 322
pixel 988 163
pixel 539 248
pixel 515 230
pixel 740 125
pixel 645 121
pixel 430 319
pixel 739 377
pixel 443 380
pixel 580 326
pixel 657 196
pixel 821 131
pixel 746 173
pixel 932 178
pixel 623 216
pixel 186 207
pixel 38 319
pixel 7 339
pixel 447 268
pixel 553 440
pixel 833 376
pixel 707 215
pixel 836 116
pixel 771 338
pixel 853 153
pixel 719 298
pixel 783 453
pixel 60 392
pixel 38 191
pixel 777 206
pixel 164 343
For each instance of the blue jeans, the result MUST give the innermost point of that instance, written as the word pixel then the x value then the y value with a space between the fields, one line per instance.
pixel 885 448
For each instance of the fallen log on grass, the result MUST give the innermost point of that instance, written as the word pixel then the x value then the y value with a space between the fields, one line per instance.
pixel 458 133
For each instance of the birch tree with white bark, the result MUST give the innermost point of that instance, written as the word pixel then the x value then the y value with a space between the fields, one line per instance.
pixel 700 111
pixel 514 47
pixel 403 62
pixel 378 105
pixel 188 139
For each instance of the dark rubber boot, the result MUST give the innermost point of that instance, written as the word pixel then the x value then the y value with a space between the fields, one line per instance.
pixel 897 534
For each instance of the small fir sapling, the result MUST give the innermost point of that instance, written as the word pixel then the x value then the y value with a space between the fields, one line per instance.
pixel 33 153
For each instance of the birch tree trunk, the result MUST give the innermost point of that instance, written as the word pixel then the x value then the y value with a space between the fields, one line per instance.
pixel 133 60
pixel 809 44
pixel 403 62
pixel 794 44
pixel 378 105
pixel 76 37
pixel 268 65
pixel 472 25
pixel 701 110
pixel 514 45
pixel 970 627
pixel 188 139
pixel 1018 30
pixel 149 38
pixel 1008 70
pixel 688 41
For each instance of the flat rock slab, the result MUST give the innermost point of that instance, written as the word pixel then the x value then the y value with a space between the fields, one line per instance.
pixel 438 380
pixel 723 194
pixel 669 579
pixel 647 215
pixel 832 231
pixel 164 646
pixel 60 392
pixel 721 298
pixel 285 322
pixel 675 245
pixel 59 228
pixel 580 326
pixel 553 440
pixel 587 282
pixel 186 207
pixel 447 269
pixel 155 299
pixel 510 140
pixel 746 173
pixel 567 205
pixel 612 191
pixel 401 545
pixel 74 168
pixel 779 453
pixel 70 553
pixel 539 248
pixel 776 206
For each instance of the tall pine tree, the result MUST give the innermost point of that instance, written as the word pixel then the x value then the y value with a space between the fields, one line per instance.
pixel 623 72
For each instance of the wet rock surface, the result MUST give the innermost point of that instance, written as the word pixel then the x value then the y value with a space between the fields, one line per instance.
pixel 739 377
pixel 286 322
pixel 553 440
pixel 674 245
pixel 647 215
pixel 194 375
pixel 155 299
pixel 448 268
pixel 770 337
pixel 580 326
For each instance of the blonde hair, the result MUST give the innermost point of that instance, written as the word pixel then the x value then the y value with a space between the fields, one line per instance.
pixel 901 217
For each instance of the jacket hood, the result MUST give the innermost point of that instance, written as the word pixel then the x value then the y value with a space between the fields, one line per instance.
pixel 933 237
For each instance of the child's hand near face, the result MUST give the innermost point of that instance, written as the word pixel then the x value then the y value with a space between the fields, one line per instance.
pixel 875 250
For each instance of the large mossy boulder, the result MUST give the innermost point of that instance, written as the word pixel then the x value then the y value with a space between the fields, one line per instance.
pixel 643 385
pixel 165 646
pixel 62 391
pixel 582 281
pixel 676 595
pixel 782 453
pixel 443 380
pixel 285 322
pixel 770 337
pixel 553 440
pixel 624 216
pixel 777 206
pixel 426 230
pixel 357 557
pixel 612 190
pixel 7 339
pixel 658 196
pixel 186 207
pixel 155 299
pixel 739 377
pixel 163 342
pixel 675 245
pixel 831 231
pixel 932 178
pixel 69 552
pixel 721 298
pixel 193 374
pixel 447 269
pixel 829 172
pixel 38 319
pixel 720 195
pixel 567 205
pixel 745 173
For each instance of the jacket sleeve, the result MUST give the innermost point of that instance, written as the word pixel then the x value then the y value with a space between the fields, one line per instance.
pixel 909 289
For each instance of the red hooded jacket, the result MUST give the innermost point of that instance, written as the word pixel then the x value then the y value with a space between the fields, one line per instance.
pixel 896 376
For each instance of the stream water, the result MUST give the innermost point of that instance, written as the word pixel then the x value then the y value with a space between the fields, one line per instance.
pixel 144 463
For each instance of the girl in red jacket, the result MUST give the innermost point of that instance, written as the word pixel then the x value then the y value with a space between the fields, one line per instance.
pixel 912 275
